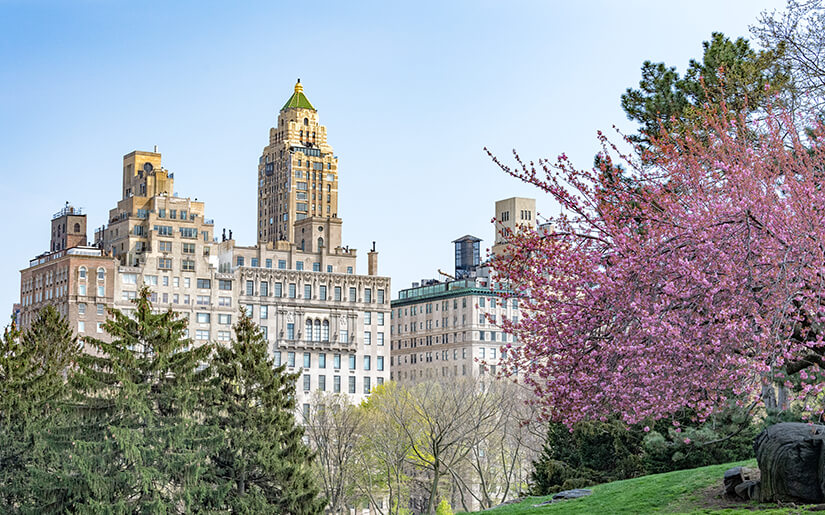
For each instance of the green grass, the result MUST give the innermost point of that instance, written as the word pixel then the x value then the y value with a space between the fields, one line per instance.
pixel 683 491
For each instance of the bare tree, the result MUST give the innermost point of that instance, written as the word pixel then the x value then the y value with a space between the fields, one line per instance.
pixel 799 34
pixel 333 428
pixel 442 423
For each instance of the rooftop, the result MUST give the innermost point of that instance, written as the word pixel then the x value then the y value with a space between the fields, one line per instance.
pixel 298 99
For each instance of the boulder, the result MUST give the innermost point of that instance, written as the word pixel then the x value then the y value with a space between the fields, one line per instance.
pixel 733 477
pixel 791 459
pixel 748 490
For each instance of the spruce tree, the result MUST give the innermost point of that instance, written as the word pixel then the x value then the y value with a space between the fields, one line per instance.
pixel 262 465
pixel 32 370
pixel 129 440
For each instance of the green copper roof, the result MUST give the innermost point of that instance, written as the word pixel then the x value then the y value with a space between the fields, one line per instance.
pixel 298 99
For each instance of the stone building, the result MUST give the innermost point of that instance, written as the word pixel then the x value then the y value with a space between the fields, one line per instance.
pixel 319 315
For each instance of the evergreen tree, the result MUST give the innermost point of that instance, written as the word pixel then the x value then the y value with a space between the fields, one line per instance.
pixel 262 465
pixel 32 369
pixel 129 441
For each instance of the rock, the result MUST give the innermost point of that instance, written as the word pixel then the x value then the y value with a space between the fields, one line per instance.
pixel 791 458
pixel 733 477
pixel 572 494
pixel 748 490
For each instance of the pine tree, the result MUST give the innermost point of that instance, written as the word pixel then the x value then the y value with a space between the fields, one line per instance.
pixel 263 465
pixel 32 370
pixel 130 440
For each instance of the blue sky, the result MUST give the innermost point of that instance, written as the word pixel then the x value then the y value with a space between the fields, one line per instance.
pixel 410 94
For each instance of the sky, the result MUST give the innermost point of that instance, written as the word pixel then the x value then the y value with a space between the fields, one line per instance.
pixel 410 93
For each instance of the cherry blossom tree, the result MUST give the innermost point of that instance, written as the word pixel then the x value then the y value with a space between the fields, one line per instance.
pixel 698 283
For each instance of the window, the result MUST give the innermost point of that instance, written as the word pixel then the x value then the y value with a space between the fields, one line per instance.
pixel 380 318
pixel 367 337
pixel 204 284
pixel 279 289
pixel 250 287
pixel 367 294
pixel 164 230
pixel 183 214
pixel 202 300
pixel 290 331
pixel 344 336
pixel 308 330
pixel 316 335
pixel 81 327
pixel 165 263
pixel 316 267
pixel 380 339
pixel 282 264
pixel 225 301
pixel 307 291
pixel 165 246
pixel 239 261
pixel 379 363
pixel 292 290
pixel 322 292
pixel 81 309
pixel 203 318
pixel 99 327
pixel 101 274
pixel 264 312
pixel 307 360
pixel 367 317
pixel 322 383
pixel 336 384
pixel 254 262
pixel 380 296
pixel 224 336
pixel 276 358
pixel 126 278
pixel 224 284
pixel 367 386
pixel 352 294
pixel 202 334
pixel 264 288
pixel 481 302
pixel 336 361
pixel 366 362
pixel 300 264
pixel 187 265
pixel 224 319
pixel 352 361
pixel 306 382
pixel 322 360
pixel 269 263
pixel 188 232
pixel 81 289
pixel 188 248
pixel 126 295
pixel 329 269
pixel 290 359
pixel 101 291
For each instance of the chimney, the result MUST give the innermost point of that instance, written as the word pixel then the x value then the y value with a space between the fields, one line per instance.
pixel 372 261
pixel 156 149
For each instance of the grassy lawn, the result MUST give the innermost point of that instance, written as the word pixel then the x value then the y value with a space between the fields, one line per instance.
pixel 685 491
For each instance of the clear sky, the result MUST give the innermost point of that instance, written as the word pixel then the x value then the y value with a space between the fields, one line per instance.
pixel 410 93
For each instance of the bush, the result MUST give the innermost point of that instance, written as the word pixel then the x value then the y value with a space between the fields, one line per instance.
pixel 443 508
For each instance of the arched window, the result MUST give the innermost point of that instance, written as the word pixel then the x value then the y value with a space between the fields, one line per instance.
pixel 320 243
pixel 316 336
pixel 76 227
pixel 306 121
pixel 101 274
pixel 308 335
pixel 325 331
pixel 81 272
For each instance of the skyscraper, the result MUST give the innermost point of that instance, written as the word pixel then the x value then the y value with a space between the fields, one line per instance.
pixel 297 172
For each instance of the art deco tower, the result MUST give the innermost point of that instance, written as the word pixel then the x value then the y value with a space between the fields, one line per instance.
pixel 297 172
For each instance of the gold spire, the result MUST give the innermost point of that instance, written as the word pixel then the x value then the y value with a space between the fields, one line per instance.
pixel 298 87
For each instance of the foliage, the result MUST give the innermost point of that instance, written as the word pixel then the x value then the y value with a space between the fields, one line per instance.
pixel 32 367
pixel 443 508
pixel 730 72
pixel 128 440
pixel 714 292
pixel 261 464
